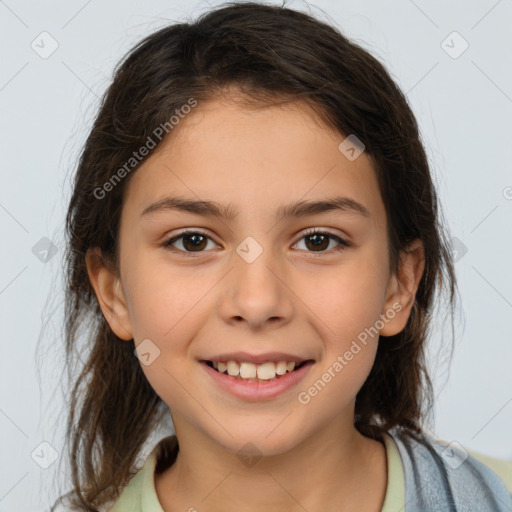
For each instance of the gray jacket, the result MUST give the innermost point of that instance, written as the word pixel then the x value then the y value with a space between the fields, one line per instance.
pixel 445 478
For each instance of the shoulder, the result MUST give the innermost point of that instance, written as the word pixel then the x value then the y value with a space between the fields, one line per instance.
pixel 503 468
pixel 438 473
pixel 139 493
pixel 131 497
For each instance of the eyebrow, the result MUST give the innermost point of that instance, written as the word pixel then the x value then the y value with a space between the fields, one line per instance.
pixel 227 212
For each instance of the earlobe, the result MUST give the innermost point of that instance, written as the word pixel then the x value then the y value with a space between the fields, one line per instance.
pixel 402 289
pixel 109 293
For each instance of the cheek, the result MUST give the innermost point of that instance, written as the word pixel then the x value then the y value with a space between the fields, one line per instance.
pixel 348 299
pixel 166 307
pixel 345 314
pixel 347 303
pixel 163 297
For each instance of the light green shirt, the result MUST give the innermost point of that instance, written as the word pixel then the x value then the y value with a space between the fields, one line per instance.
pixel 140 495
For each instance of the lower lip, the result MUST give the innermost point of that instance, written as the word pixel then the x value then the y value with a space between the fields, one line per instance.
pixel 258 390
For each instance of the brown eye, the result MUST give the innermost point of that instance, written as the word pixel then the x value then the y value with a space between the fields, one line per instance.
pixel 318 241
pixel 191 241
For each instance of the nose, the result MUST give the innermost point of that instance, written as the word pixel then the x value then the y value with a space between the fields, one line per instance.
pixel 256 293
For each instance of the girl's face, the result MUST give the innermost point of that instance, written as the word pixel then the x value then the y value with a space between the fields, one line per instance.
pixel 252 279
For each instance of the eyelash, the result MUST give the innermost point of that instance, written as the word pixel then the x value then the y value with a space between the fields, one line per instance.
pixel 343 244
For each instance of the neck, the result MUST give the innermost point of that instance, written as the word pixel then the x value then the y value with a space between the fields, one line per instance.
pixel 336 468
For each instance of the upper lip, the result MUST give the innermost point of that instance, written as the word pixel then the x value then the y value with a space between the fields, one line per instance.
pixel 257 358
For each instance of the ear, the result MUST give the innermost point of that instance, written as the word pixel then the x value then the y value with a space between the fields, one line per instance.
pixel 108 290
pixel 401 290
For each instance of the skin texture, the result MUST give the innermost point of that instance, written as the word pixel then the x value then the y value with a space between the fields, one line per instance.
pixel 293 298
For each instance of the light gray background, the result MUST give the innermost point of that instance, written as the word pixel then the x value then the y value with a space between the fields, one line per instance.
pixel 464 108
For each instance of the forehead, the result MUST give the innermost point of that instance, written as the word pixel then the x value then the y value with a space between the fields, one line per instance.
pixel 229 152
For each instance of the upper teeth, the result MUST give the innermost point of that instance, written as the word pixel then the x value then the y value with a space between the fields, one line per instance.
pixel 265 371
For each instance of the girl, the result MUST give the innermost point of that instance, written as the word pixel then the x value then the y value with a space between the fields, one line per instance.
pixel 255 246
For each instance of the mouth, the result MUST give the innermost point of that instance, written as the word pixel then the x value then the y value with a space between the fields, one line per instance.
pixel 249 372
pixel 253 382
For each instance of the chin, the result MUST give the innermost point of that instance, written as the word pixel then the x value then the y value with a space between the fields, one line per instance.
pixel 258 440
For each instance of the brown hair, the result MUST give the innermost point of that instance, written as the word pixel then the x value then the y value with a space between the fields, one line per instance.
pixel 272 54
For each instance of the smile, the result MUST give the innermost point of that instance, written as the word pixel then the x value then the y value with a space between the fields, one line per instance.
pixel 254 388
pixel 267 371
